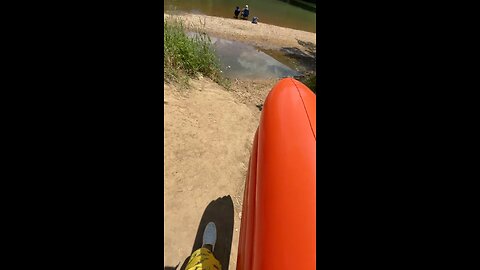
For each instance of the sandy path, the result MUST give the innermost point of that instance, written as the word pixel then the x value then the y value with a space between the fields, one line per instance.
pixel 262 35
pixel 208 135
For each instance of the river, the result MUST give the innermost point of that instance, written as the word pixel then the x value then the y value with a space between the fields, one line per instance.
pixel 295 14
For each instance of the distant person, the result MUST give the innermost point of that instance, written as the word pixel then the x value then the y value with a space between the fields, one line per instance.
pixel 245 13
pixel 255 20
pixel 203 258
pixel 236 12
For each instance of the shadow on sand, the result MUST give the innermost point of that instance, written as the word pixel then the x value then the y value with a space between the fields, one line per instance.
pixel 220 211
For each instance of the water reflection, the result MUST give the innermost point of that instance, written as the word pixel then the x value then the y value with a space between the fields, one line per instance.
pixel 308 5
pixel 239 60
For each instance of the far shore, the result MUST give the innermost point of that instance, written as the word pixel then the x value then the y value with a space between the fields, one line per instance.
pixel 262 35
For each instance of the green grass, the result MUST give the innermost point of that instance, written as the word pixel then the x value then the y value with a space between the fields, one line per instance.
pixel 187 57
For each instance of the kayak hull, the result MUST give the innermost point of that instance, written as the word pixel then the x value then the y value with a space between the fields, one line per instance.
pixel 278 226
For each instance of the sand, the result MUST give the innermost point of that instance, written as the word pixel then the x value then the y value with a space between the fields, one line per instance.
pixel 262 35
pixel 208 135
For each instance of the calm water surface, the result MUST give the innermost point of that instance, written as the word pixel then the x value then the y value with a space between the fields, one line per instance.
pixel 295 14
pixel 240 60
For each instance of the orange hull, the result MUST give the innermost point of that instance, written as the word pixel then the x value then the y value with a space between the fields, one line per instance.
pixel 278 217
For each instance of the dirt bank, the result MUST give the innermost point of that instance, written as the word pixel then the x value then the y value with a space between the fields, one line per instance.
pixel 262 35
pixel 208 134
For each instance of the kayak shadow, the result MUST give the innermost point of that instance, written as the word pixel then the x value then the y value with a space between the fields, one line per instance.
pixel 219 211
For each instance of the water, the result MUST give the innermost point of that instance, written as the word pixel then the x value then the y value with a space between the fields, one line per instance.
pixel 296 14
pixel 298 60
pixel 239 60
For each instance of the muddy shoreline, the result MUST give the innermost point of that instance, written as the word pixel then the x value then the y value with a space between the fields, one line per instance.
pixel 294 48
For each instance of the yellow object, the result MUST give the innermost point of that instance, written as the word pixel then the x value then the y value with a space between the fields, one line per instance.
pixel 203 259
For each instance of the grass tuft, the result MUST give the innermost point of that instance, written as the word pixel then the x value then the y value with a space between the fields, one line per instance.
pixel 187 57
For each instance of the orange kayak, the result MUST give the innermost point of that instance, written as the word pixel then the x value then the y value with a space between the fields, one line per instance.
pixel 278 216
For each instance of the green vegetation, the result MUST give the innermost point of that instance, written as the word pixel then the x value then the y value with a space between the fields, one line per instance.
pixel 311 82
pixel 186 57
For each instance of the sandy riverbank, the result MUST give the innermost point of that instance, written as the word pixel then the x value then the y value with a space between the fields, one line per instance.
pixel 208 135
pixel 262 35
